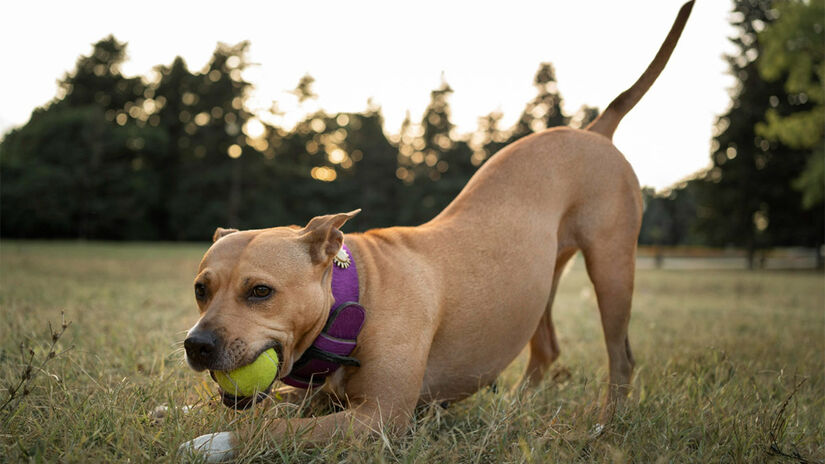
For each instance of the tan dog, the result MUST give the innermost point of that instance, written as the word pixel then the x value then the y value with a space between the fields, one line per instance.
pixel 449 303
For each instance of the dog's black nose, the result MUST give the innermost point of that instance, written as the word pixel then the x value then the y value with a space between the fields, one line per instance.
pixel 201 346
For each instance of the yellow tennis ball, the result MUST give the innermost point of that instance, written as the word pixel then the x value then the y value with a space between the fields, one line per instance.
pixel 250 379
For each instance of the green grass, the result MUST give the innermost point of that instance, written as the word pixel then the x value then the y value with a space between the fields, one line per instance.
pixel 718 356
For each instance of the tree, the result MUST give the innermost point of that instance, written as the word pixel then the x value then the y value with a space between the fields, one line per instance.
pixel 543 111
pixel 97 81
pixel 171 96
pixel 80 167
pixel 584 116
pixel 489 138
pixel 206 118
pixel 744 199
pixel 303 91
pixel 669 218
pixel 374 159
pixel 439 164
pixel 793 51
pixel 339 162
pixel 437 130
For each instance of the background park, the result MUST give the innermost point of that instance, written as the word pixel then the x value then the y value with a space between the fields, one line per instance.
pixel 110 191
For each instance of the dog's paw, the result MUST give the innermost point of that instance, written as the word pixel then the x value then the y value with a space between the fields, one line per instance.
pixel 213 447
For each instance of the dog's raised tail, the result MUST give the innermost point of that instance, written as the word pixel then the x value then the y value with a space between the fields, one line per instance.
pixel 607 122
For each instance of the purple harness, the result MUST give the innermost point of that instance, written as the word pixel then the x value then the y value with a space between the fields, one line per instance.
pixel 337 340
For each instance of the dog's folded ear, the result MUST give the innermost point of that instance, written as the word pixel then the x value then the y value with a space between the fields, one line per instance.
pixel 323 236
pixel 221 232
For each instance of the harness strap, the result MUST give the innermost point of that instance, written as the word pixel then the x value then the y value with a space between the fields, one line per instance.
pixel 338 338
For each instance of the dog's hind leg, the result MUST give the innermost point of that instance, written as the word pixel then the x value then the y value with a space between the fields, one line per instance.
pixel 544 347
pixel 611 267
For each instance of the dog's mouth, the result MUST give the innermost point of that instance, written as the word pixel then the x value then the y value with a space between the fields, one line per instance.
pixel 225 363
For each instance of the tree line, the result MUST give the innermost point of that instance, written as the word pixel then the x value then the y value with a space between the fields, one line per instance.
pixel 116 157
pixel 174 156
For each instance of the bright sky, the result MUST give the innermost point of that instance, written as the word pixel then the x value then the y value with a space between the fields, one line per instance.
pixel 396 52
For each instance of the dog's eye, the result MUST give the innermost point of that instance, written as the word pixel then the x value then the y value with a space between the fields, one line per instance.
pixel 200 291
pixel 260 292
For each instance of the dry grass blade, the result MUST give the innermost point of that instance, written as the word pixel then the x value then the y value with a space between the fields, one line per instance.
pixel 21 389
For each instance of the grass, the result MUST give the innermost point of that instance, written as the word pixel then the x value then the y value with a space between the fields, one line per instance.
pixel 730 368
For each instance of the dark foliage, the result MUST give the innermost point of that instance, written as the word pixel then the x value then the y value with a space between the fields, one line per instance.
pixel 747 198
pixel 115 157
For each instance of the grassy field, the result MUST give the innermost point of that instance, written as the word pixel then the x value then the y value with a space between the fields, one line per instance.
pixel 730 368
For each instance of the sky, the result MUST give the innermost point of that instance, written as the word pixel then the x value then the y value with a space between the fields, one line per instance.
pixel 396 52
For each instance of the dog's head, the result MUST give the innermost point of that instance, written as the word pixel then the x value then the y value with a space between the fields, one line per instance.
pixel 259 289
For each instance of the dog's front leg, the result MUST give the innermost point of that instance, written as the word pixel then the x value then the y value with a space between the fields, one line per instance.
pixel 359 421
pixel 383 392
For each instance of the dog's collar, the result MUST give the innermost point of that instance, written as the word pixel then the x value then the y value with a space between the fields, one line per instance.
pixel 337 340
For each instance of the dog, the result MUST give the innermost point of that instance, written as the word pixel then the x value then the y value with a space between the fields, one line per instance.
pixel 446 305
